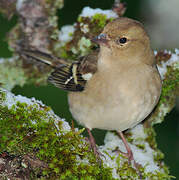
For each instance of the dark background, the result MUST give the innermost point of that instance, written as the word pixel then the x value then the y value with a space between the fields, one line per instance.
pixel 167 132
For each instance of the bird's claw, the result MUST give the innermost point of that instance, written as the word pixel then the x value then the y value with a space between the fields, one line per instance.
pixel 131 160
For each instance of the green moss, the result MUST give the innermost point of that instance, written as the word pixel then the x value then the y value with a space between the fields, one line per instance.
pixel 170 87
pixel 141 146
pixel 158 156
pixel 2 96
pixel 158 175
pixel 170 90
pixel 25 130
pixel 126 171
pixel 100 18
pixel 64 53
pixel 151 137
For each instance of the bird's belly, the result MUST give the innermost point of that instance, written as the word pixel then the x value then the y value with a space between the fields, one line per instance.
pixel 120 109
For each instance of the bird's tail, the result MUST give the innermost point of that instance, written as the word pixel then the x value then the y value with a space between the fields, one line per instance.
pixel 43 57
pixel 65 75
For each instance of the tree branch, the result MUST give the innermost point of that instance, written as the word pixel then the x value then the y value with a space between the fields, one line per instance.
pixel 42 145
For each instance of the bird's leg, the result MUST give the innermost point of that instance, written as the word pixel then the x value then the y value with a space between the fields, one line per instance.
pixel 72 126
pixel 93 144
pixel 129 153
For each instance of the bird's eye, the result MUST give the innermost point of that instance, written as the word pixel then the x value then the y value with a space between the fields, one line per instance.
pixel 122 40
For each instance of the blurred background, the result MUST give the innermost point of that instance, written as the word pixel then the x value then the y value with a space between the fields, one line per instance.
pixel 161 19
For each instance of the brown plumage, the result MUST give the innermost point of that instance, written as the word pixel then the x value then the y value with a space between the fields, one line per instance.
pixel 126 86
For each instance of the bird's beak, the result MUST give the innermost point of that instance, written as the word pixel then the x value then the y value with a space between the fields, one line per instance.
pixel 101 39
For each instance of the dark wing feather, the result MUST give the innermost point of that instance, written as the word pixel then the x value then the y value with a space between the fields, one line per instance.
pixel 63 78
pixel 71 77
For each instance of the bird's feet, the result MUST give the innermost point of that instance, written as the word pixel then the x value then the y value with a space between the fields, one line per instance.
pixel 93 146
pixel 129 155
pixel 97 153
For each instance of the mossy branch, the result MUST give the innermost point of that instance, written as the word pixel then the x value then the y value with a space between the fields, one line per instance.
pixel 35 141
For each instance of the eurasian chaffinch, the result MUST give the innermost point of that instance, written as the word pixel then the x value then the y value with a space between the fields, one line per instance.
pixel 114 88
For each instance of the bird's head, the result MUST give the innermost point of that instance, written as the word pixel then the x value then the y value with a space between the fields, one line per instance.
pixel 124 38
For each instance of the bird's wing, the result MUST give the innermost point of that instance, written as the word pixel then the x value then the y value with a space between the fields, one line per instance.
pixel 69 76
pixel 74 76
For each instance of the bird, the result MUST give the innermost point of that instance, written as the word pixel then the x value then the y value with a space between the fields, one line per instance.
pixel 114 87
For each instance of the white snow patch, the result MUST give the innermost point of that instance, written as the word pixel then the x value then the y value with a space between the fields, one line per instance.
pixel 19 4
pixel 80 160
pixel 155 52
pixel 176 51
pixel 11 100
pixel 173 59
pixel 84 28
pixel 65 124
pixel 89 12
pixel 138 132
pixel 3 60
pixel 162 70
pixel 111 141
pixel 66 32
pixel 144 157
pixel 163 110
